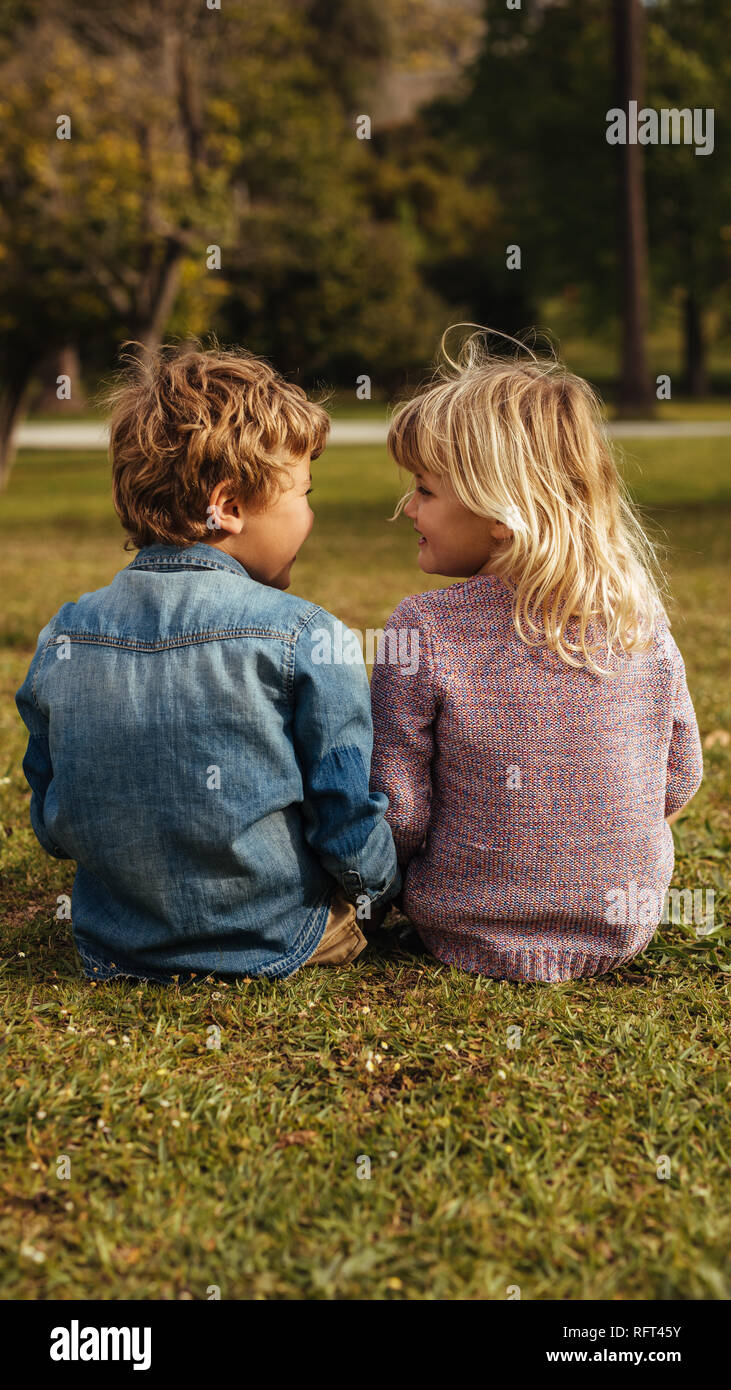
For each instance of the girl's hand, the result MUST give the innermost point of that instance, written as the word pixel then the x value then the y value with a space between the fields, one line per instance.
pixel 669 820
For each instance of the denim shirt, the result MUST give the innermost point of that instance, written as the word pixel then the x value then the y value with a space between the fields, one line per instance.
pixel 207 769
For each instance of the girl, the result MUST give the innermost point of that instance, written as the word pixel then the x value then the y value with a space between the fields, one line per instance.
pixel 536 757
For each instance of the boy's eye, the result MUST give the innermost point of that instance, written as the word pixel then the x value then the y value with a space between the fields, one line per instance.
pixel 309 490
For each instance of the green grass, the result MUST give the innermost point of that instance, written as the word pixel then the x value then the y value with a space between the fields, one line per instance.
pixel 490 1167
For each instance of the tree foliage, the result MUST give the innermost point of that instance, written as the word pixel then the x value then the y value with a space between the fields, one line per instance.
pixel 235 128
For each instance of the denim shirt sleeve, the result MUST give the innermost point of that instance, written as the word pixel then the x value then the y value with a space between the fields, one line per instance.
pixel 333 735
pixel 37 764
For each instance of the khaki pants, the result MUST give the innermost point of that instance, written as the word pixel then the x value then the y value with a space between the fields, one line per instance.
pixel 342 939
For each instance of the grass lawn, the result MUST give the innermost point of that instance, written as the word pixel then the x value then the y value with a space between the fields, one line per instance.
pixel 490 1167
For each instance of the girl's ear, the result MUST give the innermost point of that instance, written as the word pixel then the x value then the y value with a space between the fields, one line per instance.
pixel 500 532
pixel 224 511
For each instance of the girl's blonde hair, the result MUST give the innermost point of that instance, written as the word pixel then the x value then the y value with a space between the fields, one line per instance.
pixel 521 440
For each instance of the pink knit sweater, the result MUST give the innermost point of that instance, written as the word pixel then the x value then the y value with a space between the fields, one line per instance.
pixel 527 798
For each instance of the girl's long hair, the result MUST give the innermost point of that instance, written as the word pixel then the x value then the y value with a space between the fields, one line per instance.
pixel 521 440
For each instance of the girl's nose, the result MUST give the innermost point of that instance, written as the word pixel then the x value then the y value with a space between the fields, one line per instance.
pixel 410 507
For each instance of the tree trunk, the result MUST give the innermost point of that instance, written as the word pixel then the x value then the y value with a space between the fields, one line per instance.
pixel 635 390
pixel 63 362
pixel 13 397
pixel 157 300
pixel 696 375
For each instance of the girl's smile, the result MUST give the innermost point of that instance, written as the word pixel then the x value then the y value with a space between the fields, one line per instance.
pixel 458 541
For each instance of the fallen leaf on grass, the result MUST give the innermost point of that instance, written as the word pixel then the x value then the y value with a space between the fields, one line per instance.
pixel 129 1254
pixel 295 1136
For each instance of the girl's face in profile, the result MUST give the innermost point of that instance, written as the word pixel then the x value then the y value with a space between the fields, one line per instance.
pixel 453 541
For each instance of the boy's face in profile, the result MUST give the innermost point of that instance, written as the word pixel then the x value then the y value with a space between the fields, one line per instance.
pixel 266 543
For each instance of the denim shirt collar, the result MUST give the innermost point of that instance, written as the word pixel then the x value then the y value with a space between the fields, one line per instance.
pixel 197 556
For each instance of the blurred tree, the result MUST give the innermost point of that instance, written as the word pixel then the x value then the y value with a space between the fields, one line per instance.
pixel 194 129
pixel 61 369
pixel 456 222
pixel 535 118
pixel 191 131
pixel 346 44
pixel 94 228
pixel 321 278
pixel 689 202
pixel 635 394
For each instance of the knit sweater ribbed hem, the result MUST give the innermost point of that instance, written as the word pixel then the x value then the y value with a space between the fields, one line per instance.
pixel 540 964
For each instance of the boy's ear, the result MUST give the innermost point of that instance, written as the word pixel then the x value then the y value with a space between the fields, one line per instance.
pixel 224 511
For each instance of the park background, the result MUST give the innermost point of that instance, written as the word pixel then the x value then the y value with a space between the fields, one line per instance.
pixel 493 1167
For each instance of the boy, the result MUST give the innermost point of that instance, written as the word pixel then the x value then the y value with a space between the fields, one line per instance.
pixel 187 749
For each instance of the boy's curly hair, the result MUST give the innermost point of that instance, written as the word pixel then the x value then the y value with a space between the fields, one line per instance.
pixel 186 418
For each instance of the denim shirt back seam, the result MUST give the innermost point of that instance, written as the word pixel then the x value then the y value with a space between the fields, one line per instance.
pixel 183 639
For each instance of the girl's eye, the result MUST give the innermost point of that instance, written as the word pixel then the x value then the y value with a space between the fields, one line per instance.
pixel 424 491
pixel 309 490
